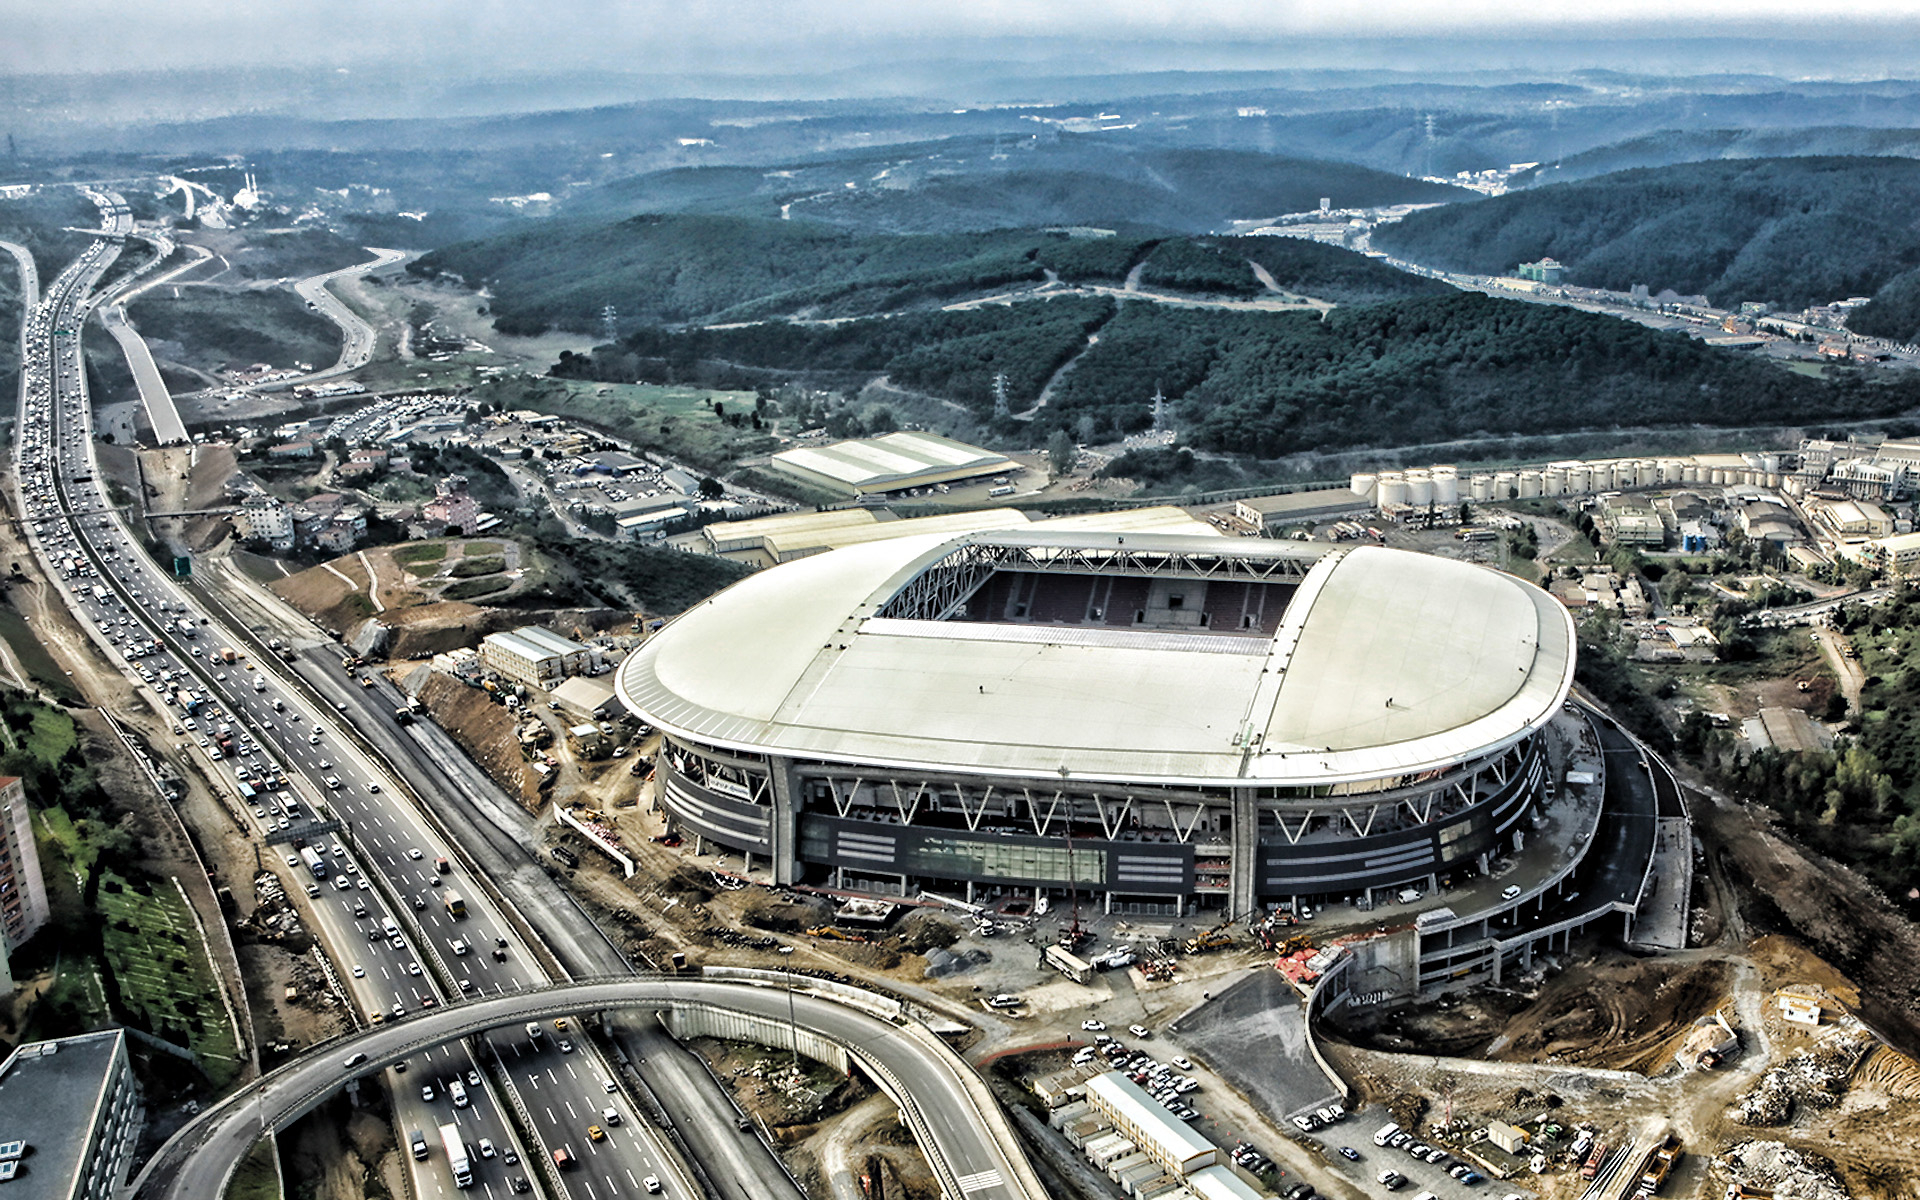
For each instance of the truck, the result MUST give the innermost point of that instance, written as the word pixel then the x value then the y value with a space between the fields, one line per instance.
pixel 100 593
pixel 1659 1166
pixel 1069 964
pixel 315 863
pixel 457 1156
pixel 185 627
pixel 456 907
pixel 189 702
pixel 1595 1160
pixel 226 654
pixel 402 716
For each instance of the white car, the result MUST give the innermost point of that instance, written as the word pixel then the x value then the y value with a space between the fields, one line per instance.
pixel 415 854
pixel 359 972
pixel 1092 1026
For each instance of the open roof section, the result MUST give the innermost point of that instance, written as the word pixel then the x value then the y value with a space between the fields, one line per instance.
pixel 1385 662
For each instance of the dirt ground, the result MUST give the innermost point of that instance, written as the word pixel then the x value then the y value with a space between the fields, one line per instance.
pixel 1610 1010
pixel 344 1152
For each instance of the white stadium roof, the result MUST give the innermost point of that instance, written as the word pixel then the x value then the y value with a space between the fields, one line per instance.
pixel 891 462
pixel 1385 662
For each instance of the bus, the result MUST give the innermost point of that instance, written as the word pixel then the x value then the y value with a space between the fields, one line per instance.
pixel 456 907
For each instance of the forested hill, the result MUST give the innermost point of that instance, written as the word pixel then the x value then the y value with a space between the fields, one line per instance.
pixel 1267 384
pixel 1792 231
pixel 971 184
pixel 672 270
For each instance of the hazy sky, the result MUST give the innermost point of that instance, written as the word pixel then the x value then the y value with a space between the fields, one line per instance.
pixel 799 35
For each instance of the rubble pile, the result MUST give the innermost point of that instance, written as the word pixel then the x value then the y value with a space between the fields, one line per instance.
pixel 1775 1167
pixel 272 918
pixel 1815 1077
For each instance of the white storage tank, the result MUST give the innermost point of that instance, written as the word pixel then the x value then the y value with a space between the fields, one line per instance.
pixel 1480 487
pixel 1529 484
pixel 1392 490
pixel 1647 473
pixel 1670 469
pixel 1579 479
pixel 1446 485
pixel 1553 481
pixel 1690 473
pixel 1363 484
pixel 1504 483
pixel 1770 463
pixel 1719 476
pixel 1602 476
pixel 1419 488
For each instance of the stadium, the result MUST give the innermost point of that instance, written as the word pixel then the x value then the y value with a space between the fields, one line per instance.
pixel 1166 722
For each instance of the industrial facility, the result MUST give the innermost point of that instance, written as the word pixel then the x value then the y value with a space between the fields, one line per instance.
pixel 1165 722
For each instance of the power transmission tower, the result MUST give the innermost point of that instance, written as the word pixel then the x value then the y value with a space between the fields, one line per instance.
pixel 1000 406
pixel 609 322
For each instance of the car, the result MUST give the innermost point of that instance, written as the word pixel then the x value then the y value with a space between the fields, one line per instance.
pixel 609 1085
pixel 354 1060
pixel 1139 1031
pixel 293 860
pixel 399 1009
pixel 333 781
pixel 419 905
pixel 1092 1026
pixel 413 968
pixel 1304 1123
pixel 596 1134
pixel 374 788
pixel 652 1184
pixel 486 1148
pixel 560 1025
pixel 343 883
pixel 566 1047
pixel 399 1068
pixel 1512 892
pixel 1436 1155
pixel 519 1184
pixel 261 812
pixel 1390 1179
pixel 1350 1154
pixel 473 1079
pixel 1180 1060
pixel 415 854
pixel 324 764
pixel 313 890
pixel 426 1093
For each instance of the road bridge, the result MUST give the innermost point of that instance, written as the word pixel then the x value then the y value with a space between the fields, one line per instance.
pixel 967 1139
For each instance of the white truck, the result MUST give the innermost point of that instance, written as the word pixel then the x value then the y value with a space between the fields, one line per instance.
pixel 457 1156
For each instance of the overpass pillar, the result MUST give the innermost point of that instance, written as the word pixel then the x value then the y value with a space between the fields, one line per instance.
pixel 783 841
pixel 1246 852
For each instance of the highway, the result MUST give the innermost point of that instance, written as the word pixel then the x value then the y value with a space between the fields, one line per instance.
pixel 356 336
pixel 945 1104
pixel 139 615
pixel 250 715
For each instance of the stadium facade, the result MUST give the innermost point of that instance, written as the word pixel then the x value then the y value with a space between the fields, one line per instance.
pixel 1168 722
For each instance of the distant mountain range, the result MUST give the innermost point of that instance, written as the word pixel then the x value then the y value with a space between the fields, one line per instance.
pixel 1050 178
pixel 1791 231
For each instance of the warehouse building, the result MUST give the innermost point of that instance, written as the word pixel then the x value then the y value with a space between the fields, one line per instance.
pixel 896 462
pixel 1153 1130
pixel 534 656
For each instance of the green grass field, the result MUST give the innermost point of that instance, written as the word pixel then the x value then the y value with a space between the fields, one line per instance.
pixel 678 420
pixel 256 1178
pixel 48 735
pixel 472 589
pixel 420 552
pixel 34 657
pixel 154 947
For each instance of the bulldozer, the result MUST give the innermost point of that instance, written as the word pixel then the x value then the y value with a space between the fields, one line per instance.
pixel 833 934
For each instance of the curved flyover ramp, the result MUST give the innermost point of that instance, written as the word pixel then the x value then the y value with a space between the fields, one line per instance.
pixel 966 1138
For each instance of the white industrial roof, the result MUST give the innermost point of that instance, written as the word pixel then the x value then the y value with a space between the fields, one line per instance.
pixel 1386 662
pixel 1173 1140
pixel 895 460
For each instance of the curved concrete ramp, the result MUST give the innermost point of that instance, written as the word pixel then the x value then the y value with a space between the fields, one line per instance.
pixel 965 1136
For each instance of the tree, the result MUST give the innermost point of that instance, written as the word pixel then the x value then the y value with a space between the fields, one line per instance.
pixel 712 488
pixel 1061 452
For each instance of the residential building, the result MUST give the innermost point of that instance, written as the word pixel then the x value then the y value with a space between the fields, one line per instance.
pixel 1547 270
pixel 453 507
pixel 342 531
pixel 70 1118
pixel 23 892
pixel 301 448
pixel 534 656
pixel 1899 553
pixel 264 519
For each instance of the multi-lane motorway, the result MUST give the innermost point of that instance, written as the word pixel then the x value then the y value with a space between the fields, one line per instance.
pixel 251 729
pixel 282 746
